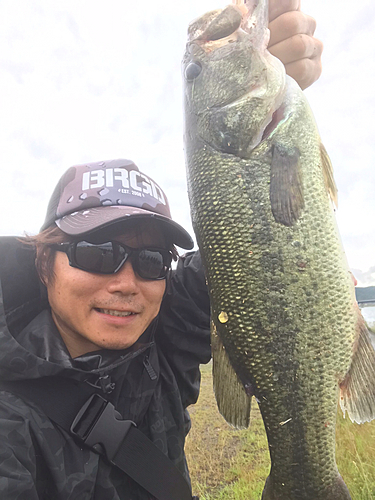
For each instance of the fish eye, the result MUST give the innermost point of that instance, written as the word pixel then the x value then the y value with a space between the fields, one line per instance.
pixel 192 71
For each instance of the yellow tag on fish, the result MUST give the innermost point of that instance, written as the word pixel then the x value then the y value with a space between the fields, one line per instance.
pixel 223 317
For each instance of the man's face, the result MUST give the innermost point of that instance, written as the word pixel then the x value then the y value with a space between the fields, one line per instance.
pixel 89 308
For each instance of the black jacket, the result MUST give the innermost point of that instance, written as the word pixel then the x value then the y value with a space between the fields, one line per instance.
pixel 38 459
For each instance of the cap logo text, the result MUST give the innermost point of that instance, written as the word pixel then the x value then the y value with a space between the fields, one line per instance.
pixel 122 178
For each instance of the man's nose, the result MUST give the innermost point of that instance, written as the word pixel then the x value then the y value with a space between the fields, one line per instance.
pixel 125 281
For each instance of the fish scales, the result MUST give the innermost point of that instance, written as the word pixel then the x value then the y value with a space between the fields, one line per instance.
pixel 282 299
pixel 274 322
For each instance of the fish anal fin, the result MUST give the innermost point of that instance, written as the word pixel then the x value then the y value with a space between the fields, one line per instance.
pixel 328 175
pixel 358 387
pixel 286 190
pixel 232 400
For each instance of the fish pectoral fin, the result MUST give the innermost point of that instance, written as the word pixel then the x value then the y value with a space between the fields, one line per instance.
pixel 286 190
pixel 328 175
pixel 233 402
pixel 358 387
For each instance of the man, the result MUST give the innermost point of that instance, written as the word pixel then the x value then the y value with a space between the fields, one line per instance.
pixel 104 257
pixel 91 312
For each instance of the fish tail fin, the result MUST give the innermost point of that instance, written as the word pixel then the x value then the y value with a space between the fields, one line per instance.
pixel 358 387
pixel 233 402
pixel 336 491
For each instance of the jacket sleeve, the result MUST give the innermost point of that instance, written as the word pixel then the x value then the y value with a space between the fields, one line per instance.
pixel 17 456
pixel 184 331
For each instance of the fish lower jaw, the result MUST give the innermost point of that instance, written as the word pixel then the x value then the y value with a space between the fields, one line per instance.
pixel 112 312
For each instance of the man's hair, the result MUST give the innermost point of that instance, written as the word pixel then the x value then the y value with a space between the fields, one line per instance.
pixel 45 254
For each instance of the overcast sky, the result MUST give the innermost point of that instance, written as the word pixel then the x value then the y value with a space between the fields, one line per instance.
pixel 84 80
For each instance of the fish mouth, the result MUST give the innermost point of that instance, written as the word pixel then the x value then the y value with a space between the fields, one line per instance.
pixel 115 312
pixel 215 25
pixel 218 27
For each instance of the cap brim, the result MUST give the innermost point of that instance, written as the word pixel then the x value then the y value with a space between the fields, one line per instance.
pixel 85 221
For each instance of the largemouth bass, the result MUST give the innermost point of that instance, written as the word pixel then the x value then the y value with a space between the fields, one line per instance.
pixel 286 327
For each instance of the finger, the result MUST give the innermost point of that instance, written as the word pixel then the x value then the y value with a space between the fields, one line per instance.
pixel 297 47
pixel 290 24
pixel 278 7
pixel 305 71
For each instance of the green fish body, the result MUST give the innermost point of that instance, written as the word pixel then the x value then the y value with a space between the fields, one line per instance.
pixel 285 321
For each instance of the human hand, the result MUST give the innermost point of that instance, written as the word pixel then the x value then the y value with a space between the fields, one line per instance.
pixel 293 43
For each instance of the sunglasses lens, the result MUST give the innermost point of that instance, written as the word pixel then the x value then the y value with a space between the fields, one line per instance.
pixel 108 258
pixel 153 264
pixel 101 258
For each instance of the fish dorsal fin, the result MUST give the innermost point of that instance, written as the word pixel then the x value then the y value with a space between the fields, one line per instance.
pixel 286 191
pixel 358 387
pixel 328 174
pixel 233 402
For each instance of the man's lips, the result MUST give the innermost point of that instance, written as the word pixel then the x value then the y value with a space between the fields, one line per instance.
pixel 115 312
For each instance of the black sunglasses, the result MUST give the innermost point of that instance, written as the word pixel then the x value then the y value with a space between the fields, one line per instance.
pixel 110 256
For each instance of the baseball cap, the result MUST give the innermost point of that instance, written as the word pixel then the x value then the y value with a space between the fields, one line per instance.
pixel 97 195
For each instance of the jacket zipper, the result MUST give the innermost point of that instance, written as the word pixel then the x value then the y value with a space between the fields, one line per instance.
pixel 150 370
